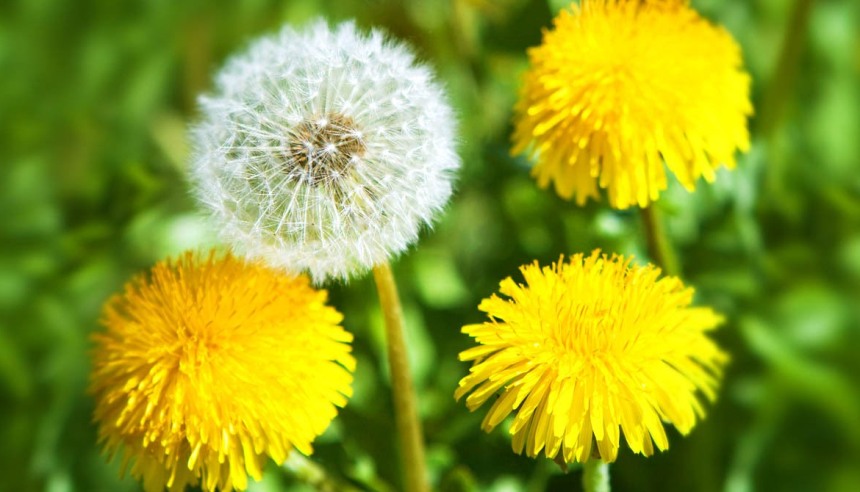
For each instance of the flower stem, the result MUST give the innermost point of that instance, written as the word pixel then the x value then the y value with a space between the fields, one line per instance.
pixel 405 408
pixel 595 476
pixel 782 82
pixel 659 247
pixel 785 73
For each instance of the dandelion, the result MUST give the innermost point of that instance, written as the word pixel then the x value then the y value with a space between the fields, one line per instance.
pixel 589 350
pixel 324 150
pixel 210 365
pixel 621 86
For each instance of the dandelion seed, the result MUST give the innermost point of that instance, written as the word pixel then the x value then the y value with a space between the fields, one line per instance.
pixel 324 150
pixel 620 87
pixel 209 366
pixel 587 351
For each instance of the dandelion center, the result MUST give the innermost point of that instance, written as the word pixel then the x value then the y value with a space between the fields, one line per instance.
pixel 324 148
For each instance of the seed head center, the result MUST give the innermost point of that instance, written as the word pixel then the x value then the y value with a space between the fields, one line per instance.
pixel 324 147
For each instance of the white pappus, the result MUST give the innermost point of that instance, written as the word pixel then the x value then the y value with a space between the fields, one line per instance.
pixel 324 150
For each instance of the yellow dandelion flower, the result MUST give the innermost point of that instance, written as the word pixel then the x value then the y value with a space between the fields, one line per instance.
pixel 209 365
pixel 589 350
pixel 621 86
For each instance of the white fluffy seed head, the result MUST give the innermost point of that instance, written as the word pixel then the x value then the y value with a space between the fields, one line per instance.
pixel 324 150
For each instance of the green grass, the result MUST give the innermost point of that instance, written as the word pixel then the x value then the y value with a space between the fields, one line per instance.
pixel 95 97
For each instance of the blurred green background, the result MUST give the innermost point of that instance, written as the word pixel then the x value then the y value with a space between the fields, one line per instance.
pixel 95 97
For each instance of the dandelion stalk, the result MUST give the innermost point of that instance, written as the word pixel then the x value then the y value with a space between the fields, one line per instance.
pixel 405 408
pixel 595 476
pixel 785 73
pixel 782 82
pixel 659 246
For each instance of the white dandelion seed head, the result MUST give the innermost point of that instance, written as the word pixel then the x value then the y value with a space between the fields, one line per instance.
pixel 324 150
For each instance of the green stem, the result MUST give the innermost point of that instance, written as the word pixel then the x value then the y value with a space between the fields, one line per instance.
pixel 595 476
pixel 780 87
pixel 787 66
pixel 659 247
pixel 405 407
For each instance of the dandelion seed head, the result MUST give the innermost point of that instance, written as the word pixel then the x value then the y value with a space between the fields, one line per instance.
pixel 324 150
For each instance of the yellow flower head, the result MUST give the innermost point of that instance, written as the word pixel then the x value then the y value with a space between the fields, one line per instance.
pixel 621 86
pixel 588 350
pixel 209 365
